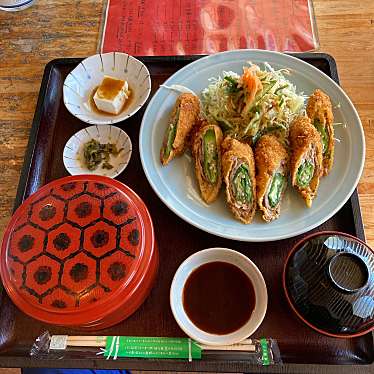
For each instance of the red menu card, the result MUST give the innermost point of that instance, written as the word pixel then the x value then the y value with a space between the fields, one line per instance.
pixel 187 27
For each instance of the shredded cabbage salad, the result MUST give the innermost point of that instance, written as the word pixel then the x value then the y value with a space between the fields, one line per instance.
pixel 255 103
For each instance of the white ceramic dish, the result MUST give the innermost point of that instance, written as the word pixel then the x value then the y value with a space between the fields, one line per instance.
pixel 81 82
pixel 176 184
pixel 73 150
pixel 224 255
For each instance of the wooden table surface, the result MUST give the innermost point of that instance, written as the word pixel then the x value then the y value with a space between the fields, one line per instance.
pixel 58 28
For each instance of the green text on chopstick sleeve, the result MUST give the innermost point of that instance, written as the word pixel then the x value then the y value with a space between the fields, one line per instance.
pixel 151 347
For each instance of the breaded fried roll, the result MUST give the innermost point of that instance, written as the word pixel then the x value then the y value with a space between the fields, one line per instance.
pixel 271 175
pixel 183 117
pixel 319 110
pixel 306 158
pixel 238 169
pixel 206 150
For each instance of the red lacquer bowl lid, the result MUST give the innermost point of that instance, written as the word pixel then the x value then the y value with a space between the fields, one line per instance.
pixel 76 249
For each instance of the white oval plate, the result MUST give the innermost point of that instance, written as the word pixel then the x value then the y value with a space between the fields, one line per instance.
pixel 176 186
pixel 234 258
pixel 73 150
pixel 80 83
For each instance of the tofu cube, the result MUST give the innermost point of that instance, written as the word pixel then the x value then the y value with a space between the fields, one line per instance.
pixel 111 95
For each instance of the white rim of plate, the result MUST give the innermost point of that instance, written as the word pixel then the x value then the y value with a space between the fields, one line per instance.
pixel 255 238
pixel 101 133
pixel 83 69
pixel 173 293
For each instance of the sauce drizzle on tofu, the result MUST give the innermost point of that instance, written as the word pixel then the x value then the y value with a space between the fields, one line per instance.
pixel 95 109
pixel 109 88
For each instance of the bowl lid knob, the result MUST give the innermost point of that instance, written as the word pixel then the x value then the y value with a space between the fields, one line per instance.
pixel 348 272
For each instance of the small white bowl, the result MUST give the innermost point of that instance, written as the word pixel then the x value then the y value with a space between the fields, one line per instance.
pixel 81 82
pixel 212 255
pixel 73 151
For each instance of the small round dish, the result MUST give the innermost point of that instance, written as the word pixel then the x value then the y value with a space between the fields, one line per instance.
pixel 223 255
pixel 73 151
pixel 328 279
pixel 82 81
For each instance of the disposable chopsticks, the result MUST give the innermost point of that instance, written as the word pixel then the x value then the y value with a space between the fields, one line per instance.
pixel 100 341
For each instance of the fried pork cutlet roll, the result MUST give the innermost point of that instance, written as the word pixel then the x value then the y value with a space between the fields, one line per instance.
pixel 182 120
pixel 319 110
pixel 238 169
pixel 207 155
pixel 306 158
pixel 271 178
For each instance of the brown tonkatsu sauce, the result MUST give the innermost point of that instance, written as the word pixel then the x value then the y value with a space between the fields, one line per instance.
pixel 218 297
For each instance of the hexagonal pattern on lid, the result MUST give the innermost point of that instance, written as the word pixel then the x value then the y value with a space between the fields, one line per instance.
pixel 82 240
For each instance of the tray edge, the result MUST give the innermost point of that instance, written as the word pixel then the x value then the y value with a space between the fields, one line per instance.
pixel 206 365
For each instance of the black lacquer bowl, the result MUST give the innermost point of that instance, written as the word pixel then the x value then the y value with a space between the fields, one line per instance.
pixel 328 280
